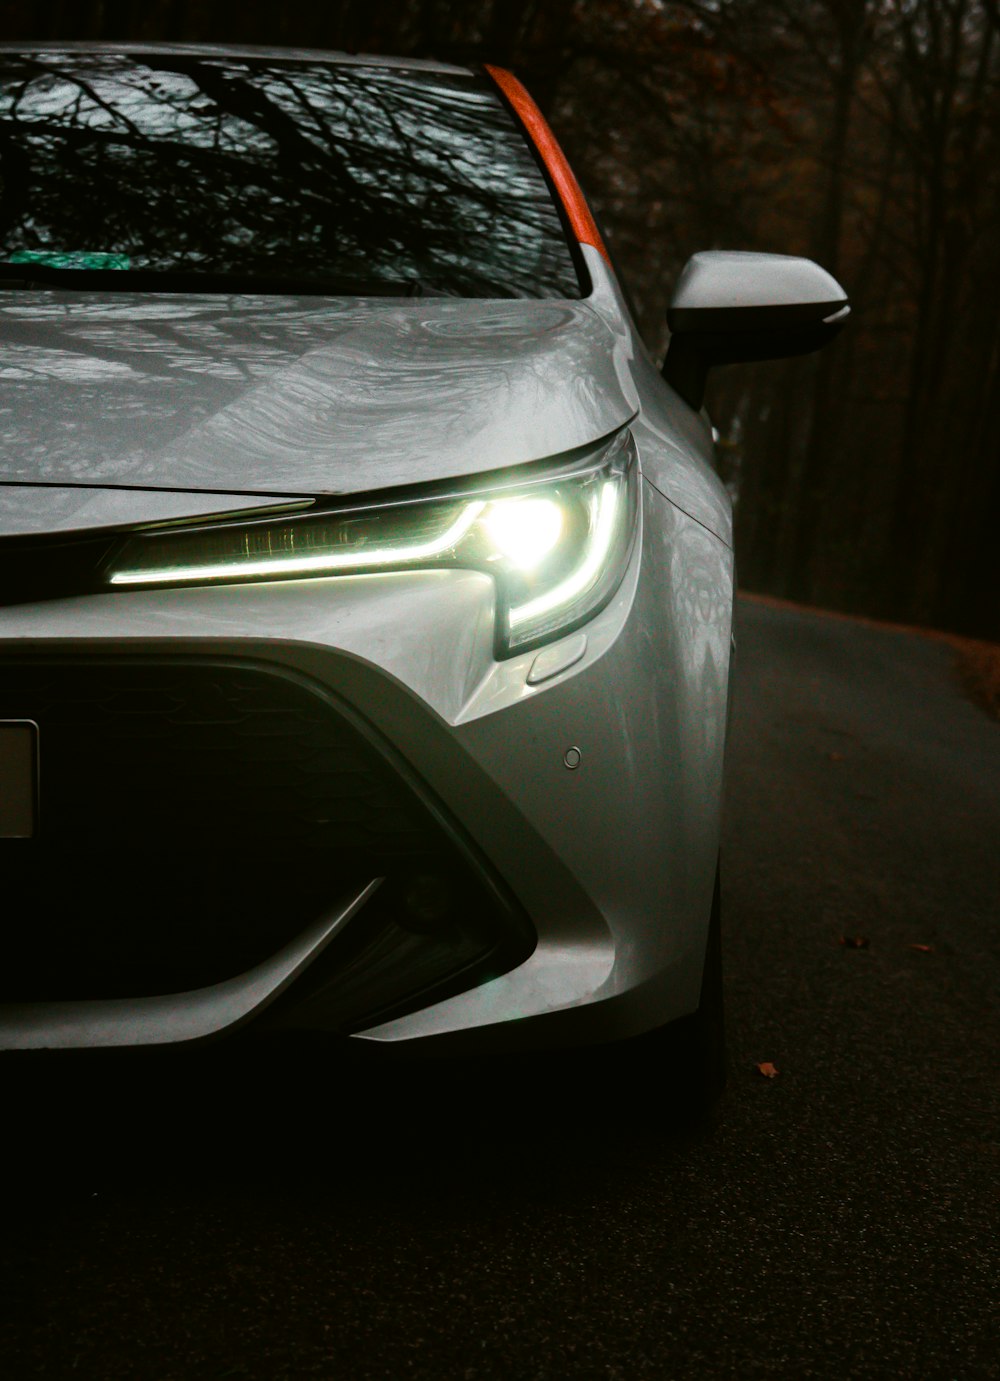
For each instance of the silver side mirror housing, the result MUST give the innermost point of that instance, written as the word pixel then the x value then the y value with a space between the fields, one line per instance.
pixel 732 307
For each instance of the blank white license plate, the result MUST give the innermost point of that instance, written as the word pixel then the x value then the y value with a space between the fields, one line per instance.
pixel 18 778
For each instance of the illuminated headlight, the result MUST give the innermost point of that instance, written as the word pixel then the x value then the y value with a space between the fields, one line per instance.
pixel 556 545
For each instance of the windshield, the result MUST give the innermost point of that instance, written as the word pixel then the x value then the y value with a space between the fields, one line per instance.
pixel 227 173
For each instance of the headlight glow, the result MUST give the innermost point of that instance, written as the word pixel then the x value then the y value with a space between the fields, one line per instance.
pixel 604 506
pixel 556 546
pixel 524 530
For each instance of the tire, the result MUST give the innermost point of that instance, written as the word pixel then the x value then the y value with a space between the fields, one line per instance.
pixel 685 1060
pixel 708 1033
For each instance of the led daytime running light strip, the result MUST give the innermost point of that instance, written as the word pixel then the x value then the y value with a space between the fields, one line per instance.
pixel 320 563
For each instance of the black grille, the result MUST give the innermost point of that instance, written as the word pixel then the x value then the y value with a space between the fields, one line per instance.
pixel 193 818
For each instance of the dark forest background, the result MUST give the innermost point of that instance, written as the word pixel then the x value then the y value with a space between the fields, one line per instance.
pixel 863 133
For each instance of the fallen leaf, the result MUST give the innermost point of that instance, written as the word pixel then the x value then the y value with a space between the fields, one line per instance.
pixel 923 949
pixel 768 1070
pixel 854 941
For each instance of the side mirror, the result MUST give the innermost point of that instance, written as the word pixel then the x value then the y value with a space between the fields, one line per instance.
pixel 731 307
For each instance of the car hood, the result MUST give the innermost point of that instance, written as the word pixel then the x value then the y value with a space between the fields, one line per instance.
pixel 293 396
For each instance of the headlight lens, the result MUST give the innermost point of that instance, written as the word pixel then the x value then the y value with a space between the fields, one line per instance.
pixel 557 546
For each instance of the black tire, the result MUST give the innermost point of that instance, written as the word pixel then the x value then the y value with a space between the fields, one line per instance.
pixel 708 1031
pixel 685 1061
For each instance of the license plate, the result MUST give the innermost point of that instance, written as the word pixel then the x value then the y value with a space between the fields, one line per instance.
pixel 18 778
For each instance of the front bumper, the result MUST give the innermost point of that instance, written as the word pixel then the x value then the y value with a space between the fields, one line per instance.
pixel 610 862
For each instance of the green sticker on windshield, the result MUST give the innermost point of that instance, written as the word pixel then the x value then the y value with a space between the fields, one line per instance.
pixel 70 259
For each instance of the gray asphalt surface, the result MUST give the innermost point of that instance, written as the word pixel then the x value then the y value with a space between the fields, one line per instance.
pixel 840 1220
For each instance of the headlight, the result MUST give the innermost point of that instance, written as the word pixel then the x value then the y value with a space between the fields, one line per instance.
pixel 556 544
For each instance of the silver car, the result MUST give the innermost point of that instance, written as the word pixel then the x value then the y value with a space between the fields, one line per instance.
pixel 367 589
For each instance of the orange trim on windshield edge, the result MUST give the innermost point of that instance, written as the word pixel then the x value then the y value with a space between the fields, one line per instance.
pixel 556 164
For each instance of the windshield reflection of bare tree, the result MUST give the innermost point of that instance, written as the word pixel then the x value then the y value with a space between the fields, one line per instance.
pixel 230 166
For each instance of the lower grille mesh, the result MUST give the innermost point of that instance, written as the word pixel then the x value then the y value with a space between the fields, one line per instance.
pixel 193 817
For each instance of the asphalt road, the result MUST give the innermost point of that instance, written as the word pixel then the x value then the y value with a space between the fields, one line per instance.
pixel 839 1220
